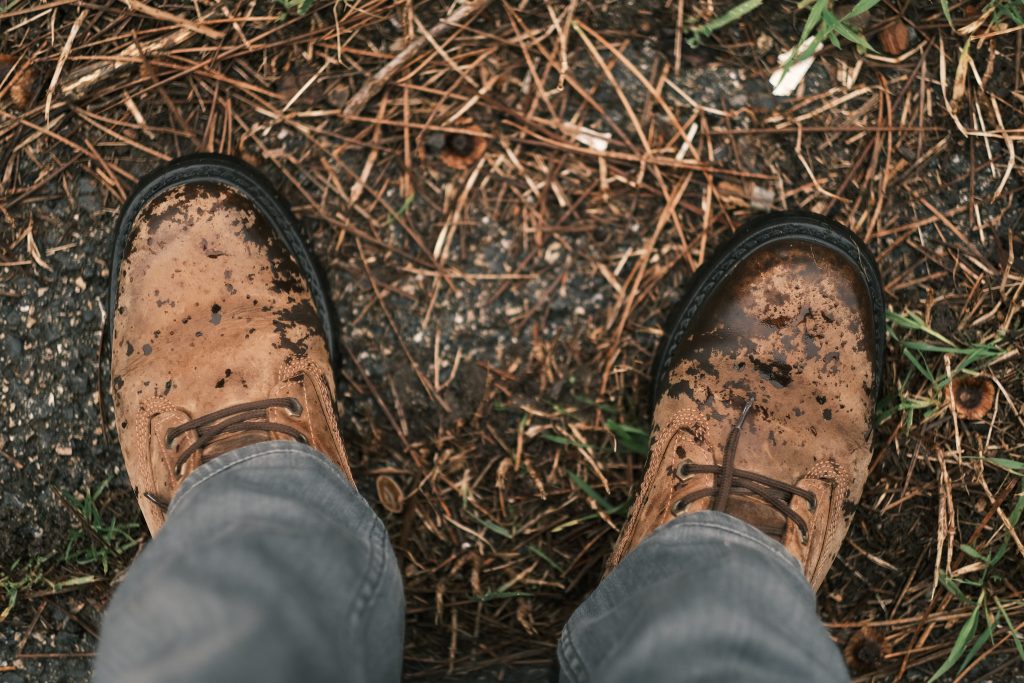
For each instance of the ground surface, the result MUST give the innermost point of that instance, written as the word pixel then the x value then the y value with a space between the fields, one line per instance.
pixel 500 311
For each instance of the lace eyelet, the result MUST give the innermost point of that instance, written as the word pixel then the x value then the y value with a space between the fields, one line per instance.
pixel 681 469
pixel 812 504
pixel 156 500
pixel 294 407
pixel 303 440
pixel 169 440
pixel 677 508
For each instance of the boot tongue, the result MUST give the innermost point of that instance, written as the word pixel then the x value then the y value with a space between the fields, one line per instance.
pixel 229 442
pixel 749 507
pixel 757 513
pixel 243 425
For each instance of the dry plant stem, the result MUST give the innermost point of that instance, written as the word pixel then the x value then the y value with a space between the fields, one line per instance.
pixel 82 80
pixel 375 83
pixel 162 15
pixel 62 59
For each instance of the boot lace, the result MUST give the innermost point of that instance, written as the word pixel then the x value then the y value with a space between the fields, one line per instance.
pixel 243 417
pixel 729 479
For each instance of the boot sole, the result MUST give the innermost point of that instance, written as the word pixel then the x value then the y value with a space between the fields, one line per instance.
pixel 225 170
pixel 755 234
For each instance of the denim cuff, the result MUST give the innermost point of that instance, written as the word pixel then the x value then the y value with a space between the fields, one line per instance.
pixel 699 525
pixel 278 454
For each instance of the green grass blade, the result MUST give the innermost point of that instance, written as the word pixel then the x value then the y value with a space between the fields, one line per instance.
pixel 971 552
pixel 1014 466
pixel 547 558
pixel 736 13
pixel 502 595
pixel 564 440
pixel 979 642
pixel 592 494
pixel 633 439
pixel 946 12
pixel 860 8
pixel 813 19
pixel 918 365
pixel 853 36
pixel 496 528
pixel 1013 628
pixel 962 640
pixel 912 321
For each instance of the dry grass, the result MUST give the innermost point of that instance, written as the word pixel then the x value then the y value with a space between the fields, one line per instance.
pixel 501 301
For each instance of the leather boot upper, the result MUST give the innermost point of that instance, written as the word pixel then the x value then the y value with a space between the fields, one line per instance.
pixel 216 342
pixel 767 412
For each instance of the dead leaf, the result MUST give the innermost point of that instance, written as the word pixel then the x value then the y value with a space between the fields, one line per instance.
pixel 960 78
pixel 972 397
pixel 390 494
pixel 463 149
pixel 895 37
pixel 865 651
pixel 23 81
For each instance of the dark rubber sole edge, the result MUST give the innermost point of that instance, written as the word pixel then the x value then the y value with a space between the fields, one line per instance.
pixel 752 236
pixel 225 170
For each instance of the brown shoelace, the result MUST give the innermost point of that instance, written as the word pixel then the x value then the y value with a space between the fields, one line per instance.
pixel 729 479
pixel 243 417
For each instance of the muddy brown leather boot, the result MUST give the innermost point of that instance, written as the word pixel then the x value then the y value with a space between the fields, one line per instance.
pixel 764 389
pixel 220 328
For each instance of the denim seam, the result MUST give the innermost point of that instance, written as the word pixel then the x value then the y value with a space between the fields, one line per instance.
pixel 371 582
pixel 221 465
pixel 573 660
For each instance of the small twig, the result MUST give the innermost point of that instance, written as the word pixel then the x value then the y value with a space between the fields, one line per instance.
pixel 86 526
pixel 61 60
pixel 86 78
pixel 143 8
pixel 375 83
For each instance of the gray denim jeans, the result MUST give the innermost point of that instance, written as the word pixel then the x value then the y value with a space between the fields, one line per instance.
pixel 271 567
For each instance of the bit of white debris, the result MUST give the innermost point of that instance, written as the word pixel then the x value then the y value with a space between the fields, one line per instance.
pixel 761 198
pixel 594 139
pixel 691 133
pixel 553 253
pixel 785 80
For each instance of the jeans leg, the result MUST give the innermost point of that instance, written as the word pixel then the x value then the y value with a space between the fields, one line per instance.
pixel 270 567
pixel 705 598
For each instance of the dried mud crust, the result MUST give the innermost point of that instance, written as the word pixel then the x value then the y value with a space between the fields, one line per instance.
pixel 230 172
pixel 756 234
